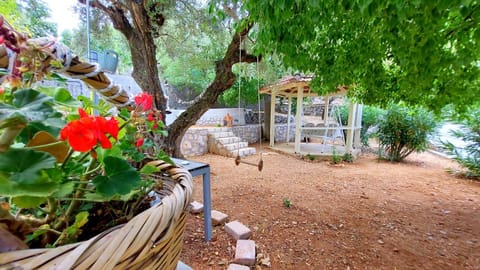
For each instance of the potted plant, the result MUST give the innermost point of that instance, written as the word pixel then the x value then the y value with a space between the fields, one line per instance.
pixel 75 179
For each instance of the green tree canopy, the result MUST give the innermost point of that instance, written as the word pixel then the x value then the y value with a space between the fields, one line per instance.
pixel 30 16
pixel 422 52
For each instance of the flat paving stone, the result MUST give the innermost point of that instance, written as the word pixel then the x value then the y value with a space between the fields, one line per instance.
pixel 183 266
pixel 238 230
pixel 196 207
pixel 218 217
pixel 245 252
pixel 234 266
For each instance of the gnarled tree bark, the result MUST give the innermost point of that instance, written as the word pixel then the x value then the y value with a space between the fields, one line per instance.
pixel 139 32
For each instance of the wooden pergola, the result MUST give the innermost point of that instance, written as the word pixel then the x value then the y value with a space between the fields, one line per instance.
pixel 299 86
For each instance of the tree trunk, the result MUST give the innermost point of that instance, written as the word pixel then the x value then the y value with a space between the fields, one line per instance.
pixel 224 79
pixel 138 31
pixel 139 34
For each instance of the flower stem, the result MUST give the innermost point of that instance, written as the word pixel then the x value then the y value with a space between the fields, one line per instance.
pixel 8 137
pixel 75 203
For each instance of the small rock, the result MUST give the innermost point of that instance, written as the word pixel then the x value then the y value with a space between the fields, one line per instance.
pixel 218 217
pixel 196 207
pixel 380 241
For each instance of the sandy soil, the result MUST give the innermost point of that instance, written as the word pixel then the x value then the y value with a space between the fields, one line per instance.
pixel 369 214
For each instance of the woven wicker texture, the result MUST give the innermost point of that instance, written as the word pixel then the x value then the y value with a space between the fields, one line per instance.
pixel 151 240
pixel 73 67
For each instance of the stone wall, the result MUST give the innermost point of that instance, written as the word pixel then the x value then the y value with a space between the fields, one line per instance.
pixel 281 133
pixel 212 117
pixel 195 141
pixel 248 133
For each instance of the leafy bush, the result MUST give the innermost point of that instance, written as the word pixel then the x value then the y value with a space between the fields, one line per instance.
pixel 347 157
pixel 469 155
pixel 403 130
pixel 336 158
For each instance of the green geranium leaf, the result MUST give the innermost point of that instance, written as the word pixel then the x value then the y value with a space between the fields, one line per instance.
pixel 24 166
pixel 149 169
pixel 58 78
pixel 120 177
pixel 63 96
pixel 124 113
pixel 163 156
pixel 28 201
pixel 25 172
pixel 43 186
pixel 28 106
pixel 64 190
pixel 115 151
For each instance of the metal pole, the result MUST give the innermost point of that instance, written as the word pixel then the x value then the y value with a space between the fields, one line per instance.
pixel 88 30
pixel 93 95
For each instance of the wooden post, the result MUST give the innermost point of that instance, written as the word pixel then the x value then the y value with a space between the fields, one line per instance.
pixel 272 118
pixel 288 118
pixel 298 119
pixel 351 123
pixel 357 142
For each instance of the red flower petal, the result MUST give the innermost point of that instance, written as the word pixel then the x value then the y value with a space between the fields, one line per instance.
pixel 144 101
pixel 139 142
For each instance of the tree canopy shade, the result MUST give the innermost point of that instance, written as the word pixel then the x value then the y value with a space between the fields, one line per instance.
pixel 423 52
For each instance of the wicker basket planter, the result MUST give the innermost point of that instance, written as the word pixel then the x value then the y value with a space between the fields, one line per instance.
pixel 151 240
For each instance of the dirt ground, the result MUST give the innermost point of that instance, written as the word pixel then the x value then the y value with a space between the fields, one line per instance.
pixel 369 214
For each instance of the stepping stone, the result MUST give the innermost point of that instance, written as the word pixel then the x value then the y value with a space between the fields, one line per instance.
pixel 238 230
pixel 196 207
pixel 218 217
pixel 245 252
pixel 234 266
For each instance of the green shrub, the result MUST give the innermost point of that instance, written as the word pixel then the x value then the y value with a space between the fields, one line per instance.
pixel 336 158
pixel 469 155
pixel 347 157
pixel 370 117
pixel 402 131
pixel 287 203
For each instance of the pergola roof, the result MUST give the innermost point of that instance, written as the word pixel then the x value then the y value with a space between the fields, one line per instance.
pixel 289 85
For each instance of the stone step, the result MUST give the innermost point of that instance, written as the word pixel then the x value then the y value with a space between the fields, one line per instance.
pixel 244 152
pixel 228 140
pixel 235 146
pixel 219 129
pixel 222 134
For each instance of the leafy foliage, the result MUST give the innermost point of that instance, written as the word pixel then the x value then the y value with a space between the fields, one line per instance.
pixel 469 155
pixel 402 131
pixel 421 52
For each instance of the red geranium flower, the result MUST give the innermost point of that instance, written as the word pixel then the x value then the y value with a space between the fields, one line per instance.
pixel 83 134
pixel 150 117
pixel 139 142
pixel 144 101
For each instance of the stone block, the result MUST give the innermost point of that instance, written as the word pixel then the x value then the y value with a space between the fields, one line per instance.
pixel 196 207
pixel 245 252
pixel 234 266
pixel 238 230
pixel 218 217
pixel 183 266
